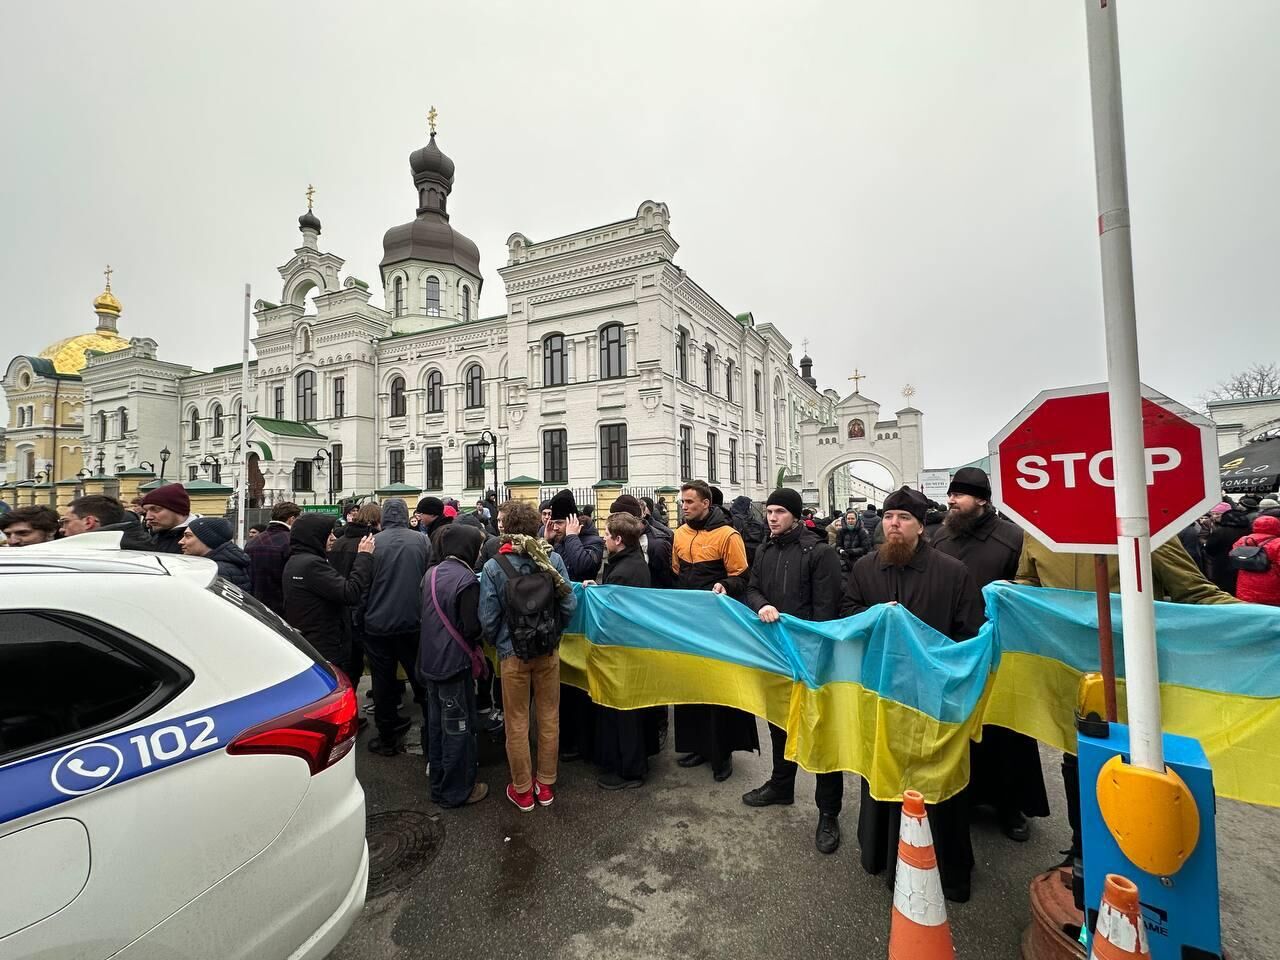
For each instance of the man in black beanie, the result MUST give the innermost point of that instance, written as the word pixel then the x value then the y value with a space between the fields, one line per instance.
pixel 939 590
pixel 795 573
pixel 1005 770
pixel 431 515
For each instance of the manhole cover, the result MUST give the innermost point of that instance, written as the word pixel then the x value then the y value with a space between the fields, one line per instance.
pixel 401 844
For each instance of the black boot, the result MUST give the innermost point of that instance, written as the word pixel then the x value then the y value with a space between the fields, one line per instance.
pixel 692 760
pixel 827 837
pixel 723 771
pixel 768 795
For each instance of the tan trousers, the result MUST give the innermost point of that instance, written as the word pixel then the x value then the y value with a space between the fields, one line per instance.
pixel 543 674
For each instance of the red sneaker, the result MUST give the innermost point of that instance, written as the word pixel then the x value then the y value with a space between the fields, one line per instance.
pixel 523 801
pixel 543 794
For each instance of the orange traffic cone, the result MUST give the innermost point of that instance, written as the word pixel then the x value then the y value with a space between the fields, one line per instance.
pixel 919 930
pixel 1119 933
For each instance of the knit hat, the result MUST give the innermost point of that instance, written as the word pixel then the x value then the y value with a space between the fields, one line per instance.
pixel 627 504
pixel 213 532
pixel 717 497
pixel 788 499
pixel 972 481
pixel 1220 508
pixel 172 496
pixel 544 505
pixel 563 506
pixel 431 507
pixel 912 501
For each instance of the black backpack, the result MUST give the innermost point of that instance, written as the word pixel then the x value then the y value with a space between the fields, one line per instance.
pixel 531 609
pixel 1250 557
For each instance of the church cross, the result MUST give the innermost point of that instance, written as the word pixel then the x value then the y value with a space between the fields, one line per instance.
pixel 311 195
pixel 908 392
pixel 431 119
pixel 857 378
pixel 805 346
pixel 107 273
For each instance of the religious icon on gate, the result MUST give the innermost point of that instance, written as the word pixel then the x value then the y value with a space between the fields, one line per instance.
pixel 857 430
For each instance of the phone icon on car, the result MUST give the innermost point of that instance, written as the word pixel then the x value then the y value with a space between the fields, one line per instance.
pixel 76 766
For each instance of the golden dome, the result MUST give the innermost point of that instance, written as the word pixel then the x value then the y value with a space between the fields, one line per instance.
pixel 68 355
pixel 106 302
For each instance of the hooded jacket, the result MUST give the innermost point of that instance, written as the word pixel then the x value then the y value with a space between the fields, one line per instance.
pixel 799 573
pixel 233 564
pixel 581 552
pixel 457 591
pixel 709 551
pixel 1231 526
pixel 269 552
pixel 401 557
pixel 345 548
pixel 316 595
pixel 1263 587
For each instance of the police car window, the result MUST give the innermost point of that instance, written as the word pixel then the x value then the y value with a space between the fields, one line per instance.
pixel 250 605
pixel 61 677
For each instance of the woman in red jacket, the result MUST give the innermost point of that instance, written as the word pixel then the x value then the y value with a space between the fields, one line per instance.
pixel 1263 587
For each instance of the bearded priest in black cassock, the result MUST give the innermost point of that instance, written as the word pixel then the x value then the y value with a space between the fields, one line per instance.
pixel 940 591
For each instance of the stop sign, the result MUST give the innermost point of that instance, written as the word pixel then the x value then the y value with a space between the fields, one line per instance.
pixel 1053 471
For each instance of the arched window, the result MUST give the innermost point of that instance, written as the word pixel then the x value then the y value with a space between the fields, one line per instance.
pixel 433 297
pixel 398 405
pixel 466 304
pixel 398 289
pixel 194 433
pixel 306 408
pixel 304 340
pixel 102 426
pixel 709 368
pixel 474 380
pixel 123 415
pixel 216 416
pixel 435 392
pixel 553 361
pixel 728 381
pixel 613 352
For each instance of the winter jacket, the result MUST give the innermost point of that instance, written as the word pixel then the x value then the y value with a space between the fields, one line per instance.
pixel 870 521
pixel 798 573
pixel 401 556
pixel 343 553
pixel 457 591
pixel 233 564
pixel 851 540
pixel 709 551
pixel 170 541
pixel 656 547
pixel 1231 526
pixel 316 596
pixel 1261 587
pixel 1175 577
pixel 269 551
pixel 1191 542
pixel 990 550
pixel 750 524
pixel 581 552
pixel 934 587
pixel 493 599
pixel 626 568
pixel 134 535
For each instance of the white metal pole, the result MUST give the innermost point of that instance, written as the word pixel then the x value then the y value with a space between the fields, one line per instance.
pixel 242 505
pixel 1132 522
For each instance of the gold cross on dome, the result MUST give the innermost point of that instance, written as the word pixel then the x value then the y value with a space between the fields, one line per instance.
pixel 857 378
pixel 107 273
pixel 311 195
pixel 908 392
pixel 431 119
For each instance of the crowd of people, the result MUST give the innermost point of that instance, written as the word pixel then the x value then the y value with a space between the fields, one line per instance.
pixel 444 595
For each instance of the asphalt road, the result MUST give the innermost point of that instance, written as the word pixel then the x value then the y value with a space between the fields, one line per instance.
pixel 681 868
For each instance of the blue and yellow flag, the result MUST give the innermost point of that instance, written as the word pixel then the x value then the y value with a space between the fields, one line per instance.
pixel 885 696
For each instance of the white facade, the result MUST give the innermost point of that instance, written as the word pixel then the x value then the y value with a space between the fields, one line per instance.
pixel 611 363
pixel 1239 421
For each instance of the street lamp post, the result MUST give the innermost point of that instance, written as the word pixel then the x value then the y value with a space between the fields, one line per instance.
pixel 147 465
pixel 164 459
pixel 319 460
pixel 100 459
pixel 488 439
pixel 213 465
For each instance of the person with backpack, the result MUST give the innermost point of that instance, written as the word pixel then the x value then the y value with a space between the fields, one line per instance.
pixel 450 660
pixel 1257 561
pixel 743 516
pixel 796 573
pixel 526 599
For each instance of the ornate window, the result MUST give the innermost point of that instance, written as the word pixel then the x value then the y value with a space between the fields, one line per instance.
pixel 475 466
pixel 466 304
pixel 613 352
pixel 398 288
pixel 433 297
pixel 339 396
pixel 555 457
pixel 435 392
pixel 216 416
pixel 398 403
pixel 433 468
pixel 553 361
pixel 279 403
pixel 682 354
pixel 713 454
pixel 686 454
pixel 102 426
pixel 759 407
pixel 302 475
pixel 733 460
pixel 395 466
pixel 474 380
pixel 335 468
pixel 728 380
pixel 123 415
pixel 306 409
pixel 613 452
pixel 193 434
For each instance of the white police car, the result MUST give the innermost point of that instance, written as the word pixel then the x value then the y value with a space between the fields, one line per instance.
pixel 174 771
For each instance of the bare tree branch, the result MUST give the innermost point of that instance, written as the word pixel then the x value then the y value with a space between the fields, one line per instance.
pixel 1259 380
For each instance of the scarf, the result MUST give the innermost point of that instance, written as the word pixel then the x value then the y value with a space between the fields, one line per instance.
pixel 536 550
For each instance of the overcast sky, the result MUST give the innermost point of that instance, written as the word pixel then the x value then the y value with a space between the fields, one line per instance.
pixel 910 186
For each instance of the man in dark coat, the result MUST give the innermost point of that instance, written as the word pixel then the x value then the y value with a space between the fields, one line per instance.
pixel 316 595
pixel 268 553
pixel 939 590
pixel 1005 770
pixel 431 516
pixel 797 573
pixel 99 513
pixel 708 554
pixel 654 547
pixel 1230 526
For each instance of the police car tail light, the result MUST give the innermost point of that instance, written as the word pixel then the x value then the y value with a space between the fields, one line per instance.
pixel 321 733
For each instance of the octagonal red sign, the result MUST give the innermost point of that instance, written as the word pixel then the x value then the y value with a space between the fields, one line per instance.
pixel 1052 468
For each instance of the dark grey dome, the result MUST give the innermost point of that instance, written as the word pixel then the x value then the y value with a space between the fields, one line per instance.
pixel 430 238
pixel 309 221
pixel 430 162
